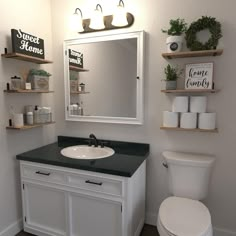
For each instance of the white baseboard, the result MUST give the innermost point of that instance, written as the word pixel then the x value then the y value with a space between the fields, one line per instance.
pixel 151 219
pixel 139 228
pixel 12 229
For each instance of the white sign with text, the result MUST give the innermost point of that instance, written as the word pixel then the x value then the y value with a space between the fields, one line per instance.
pixel 199 76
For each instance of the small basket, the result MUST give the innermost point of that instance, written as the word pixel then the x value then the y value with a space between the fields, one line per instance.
pixel 39 82
pixel 43 118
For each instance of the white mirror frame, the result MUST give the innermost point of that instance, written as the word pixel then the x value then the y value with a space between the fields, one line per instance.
pixel 138 120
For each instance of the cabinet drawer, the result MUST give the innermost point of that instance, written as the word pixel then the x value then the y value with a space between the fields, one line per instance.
pixel 42 174
pixel 97 184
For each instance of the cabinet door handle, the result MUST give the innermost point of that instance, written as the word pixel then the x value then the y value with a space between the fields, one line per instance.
pixel 93 182
pixel 42 173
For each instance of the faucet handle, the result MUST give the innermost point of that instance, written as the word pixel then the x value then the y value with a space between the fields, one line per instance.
pixel 103 143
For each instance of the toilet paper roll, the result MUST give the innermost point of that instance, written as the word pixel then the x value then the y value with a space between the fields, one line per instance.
pixel 188 120
pixel 170 119
pixel 18 120
pixel 198 104
pixel 207 121
pixel 180 104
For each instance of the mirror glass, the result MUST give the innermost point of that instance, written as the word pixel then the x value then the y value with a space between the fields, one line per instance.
pixel 104 78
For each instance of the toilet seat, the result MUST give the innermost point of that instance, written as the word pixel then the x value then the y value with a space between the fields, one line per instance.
pixel 185 217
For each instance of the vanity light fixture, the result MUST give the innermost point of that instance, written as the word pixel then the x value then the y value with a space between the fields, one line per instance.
pixel 97 21
pixel 120 15
pixel 76 21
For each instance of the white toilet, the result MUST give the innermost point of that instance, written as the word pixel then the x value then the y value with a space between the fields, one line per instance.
pixel 183 214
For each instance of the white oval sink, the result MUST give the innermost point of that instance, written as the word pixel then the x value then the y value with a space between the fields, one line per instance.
pixel 87 152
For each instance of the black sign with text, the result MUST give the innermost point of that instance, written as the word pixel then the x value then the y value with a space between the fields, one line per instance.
pixel 27 44
pixel 75 58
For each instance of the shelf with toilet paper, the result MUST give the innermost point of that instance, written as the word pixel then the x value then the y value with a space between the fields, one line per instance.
pixel 189 113
pixel 203 53
pixel 184 129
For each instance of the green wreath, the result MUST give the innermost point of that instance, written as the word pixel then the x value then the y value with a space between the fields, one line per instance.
pixel 203 23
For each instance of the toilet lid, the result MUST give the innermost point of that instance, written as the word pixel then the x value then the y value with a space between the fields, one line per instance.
pixel 184 217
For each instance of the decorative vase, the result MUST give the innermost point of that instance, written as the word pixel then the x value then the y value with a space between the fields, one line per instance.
pixel 174 43
pixel 171 84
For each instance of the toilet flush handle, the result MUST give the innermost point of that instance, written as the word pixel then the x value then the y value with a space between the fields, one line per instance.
pixel 165 165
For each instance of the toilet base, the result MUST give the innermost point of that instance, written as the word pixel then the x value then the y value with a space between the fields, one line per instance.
pixel 162 231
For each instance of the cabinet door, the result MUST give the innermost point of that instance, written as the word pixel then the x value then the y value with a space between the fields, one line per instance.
pixel 44 209
pixel 92 216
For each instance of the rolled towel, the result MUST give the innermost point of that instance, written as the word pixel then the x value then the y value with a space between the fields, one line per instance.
pixel 198 104
pixel 188 120
pixel 170 119
pixel 180 104
pixel 207 121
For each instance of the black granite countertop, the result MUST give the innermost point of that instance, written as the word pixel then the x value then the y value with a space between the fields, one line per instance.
pixel 126 160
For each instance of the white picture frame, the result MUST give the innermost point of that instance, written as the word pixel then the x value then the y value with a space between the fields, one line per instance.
pixel 199 76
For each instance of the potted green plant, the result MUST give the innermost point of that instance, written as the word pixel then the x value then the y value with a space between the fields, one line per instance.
pixel 175 40
pixel 39 79
pixel 172 74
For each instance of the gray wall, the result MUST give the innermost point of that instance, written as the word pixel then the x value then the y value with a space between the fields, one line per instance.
pixel 151 16
pixel 32 17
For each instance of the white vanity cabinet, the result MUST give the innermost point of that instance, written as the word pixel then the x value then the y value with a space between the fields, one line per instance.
pixel 71 202
pixel 94 216
pixel 44 209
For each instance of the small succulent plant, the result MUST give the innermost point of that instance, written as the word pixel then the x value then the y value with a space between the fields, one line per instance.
pixel 177 27
pixel 172 73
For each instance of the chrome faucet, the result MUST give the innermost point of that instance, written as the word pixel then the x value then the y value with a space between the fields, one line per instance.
pixel 93 137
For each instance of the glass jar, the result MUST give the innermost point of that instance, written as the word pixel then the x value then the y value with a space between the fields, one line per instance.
pixel 81 87
pixel 15 83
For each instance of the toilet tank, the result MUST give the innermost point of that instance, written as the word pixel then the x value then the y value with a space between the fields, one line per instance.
pixel 188 174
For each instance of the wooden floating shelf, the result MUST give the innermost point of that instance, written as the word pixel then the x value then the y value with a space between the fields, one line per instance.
pixel 182 129
pixel 74 68
pixel 23 57
pixel 204 53
pixel 191 91
pixel 27 91
pixel 25 127
pixel 79 92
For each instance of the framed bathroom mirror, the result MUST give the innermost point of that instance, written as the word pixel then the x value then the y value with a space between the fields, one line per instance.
pixel 103 78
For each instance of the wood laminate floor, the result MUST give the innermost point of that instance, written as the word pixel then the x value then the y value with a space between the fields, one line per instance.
pixel 148 230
